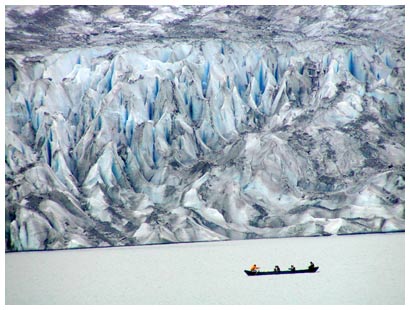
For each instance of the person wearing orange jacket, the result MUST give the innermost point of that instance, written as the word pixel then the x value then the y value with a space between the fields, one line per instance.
pixel 254 268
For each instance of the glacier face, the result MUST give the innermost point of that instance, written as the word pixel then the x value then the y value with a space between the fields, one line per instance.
pixel 232 135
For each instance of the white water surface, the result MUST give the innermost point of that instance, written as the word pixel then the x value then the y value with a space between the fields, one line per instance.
pixel 358 269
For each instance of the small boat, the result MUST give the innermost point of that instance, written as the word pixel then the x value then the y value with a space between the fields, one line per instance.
pixel 266 273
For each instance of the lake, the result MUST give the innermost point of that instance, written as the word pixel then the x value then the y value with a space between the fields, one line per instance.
pixel 356 269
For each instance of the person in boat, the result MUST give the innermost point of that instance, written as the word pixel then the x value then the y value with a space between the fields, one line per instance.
pixel 292 268
pixel 254 268
pixel 277 269
pixel 311 266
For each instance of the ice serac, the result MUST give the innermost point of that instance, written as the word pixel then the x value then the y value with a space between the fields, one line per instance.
pixel 205 139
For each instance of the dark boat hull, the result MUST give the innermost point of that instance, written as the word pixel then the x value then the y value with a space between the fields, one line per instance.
pixel 267 273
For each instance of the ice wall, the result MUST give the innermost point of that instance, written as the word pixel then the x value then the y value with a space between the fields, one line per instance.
pixel 208 140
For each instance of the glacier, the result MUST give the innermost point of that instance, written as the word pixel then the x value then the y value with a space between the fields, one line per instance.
pixel 189 135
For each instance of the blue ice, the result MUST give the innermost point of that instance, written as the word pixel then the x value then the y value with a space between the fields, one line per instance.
pixel 205 79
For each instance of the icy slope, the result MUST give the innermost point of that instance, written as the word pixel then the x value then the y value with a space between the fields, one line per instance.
pixel 202 140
